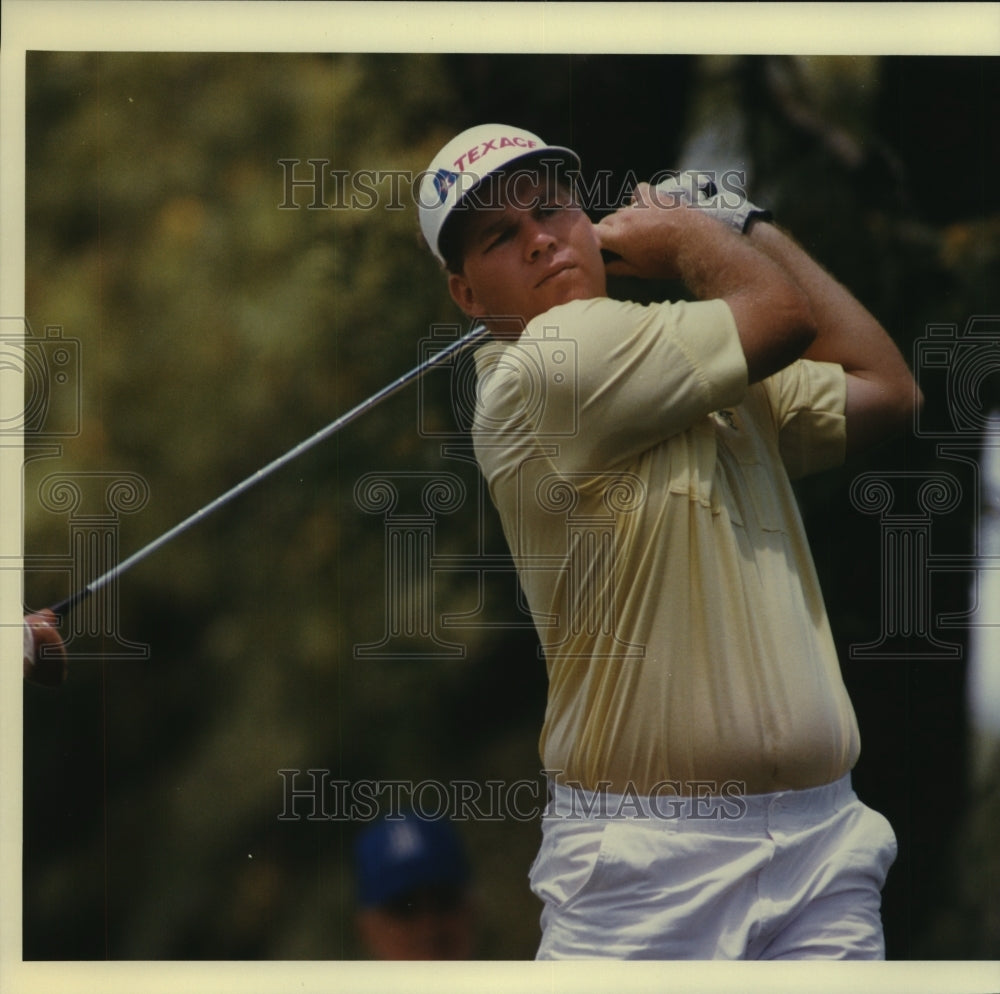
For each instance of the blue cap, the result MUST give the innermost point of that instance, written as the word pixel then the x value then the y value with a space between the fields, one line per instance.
pixel 396 856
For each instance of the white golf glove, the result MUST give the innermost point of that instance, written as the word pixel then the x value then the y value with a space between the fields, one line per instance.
pixel 698 187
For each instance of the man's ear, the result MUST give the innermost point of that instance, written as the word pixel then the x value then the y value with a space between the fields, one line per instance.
pixel 463 295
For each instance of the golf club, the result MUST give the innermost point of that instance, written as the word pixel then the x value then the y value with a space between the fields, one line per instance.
pixel 479 332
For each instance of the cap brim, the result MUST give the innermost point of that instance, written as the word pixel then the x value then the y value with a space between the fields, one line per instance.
pixel 555 152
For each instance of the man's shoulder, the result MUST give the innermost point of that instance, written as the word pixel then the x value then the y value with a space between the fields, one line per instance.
pixel 564 320
pixel 591 309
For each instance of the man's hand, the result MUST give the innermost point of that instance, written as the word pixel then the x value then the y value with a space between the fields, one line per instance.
pixel 644 238
pixel 661 237
pixel 45 660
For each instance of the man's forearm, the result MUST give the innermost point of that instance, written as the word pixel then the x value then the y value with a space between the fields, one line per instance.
pixel 772 314
pixel 772 310
pixel 846 332
pixel 881 390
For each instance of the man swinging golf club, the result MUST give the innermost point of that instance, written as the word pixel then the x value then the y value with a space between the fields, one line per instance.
pixel 718 669
pixel 698 736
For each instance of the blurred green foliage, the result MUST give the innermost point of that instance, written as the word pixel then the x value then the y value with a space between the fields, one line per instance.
pixel 222 320
pixel 223 317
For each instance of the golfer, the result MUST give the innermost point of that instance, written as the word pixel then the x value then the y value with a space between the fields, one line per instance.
pixel 698 736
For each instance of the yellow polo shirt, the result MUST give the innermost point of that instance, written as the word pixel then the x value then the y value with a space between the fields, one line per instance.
pixel 644 492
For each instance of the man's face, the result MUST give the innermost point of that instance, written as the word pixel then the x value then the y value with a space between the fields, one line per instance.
pixel 434 923
pixel 531 251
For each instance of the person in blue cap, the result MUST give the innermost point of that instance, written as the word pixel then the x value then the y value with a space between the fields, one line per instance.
pixel 413 891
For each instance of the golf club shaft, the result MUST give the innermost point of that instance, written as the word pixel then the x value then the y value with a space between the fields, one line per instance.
pixel 474 336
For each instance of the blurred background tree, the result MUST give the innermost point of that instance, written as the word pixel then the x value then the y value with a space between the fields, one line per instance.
pixel 223 315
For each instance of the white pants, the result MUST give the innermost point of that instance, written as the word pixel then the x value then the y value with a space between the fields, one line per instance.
pixel 790 875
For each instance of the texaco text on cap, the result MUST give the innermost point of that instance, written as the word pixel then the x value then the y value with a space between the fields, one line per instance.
pixel 468 159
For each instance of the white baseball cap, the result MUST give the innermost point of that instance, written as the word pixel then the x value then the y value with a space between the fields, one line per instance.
pixel 466 161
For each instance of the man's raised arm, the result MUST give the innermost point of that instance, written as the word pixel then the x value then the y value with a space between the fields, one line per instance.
pixel 659 238
pixel 881 392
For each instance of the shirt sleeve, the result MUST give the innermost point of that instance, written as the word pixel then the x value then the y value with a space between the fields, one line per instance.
pixel 809 401
pixel 608 379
